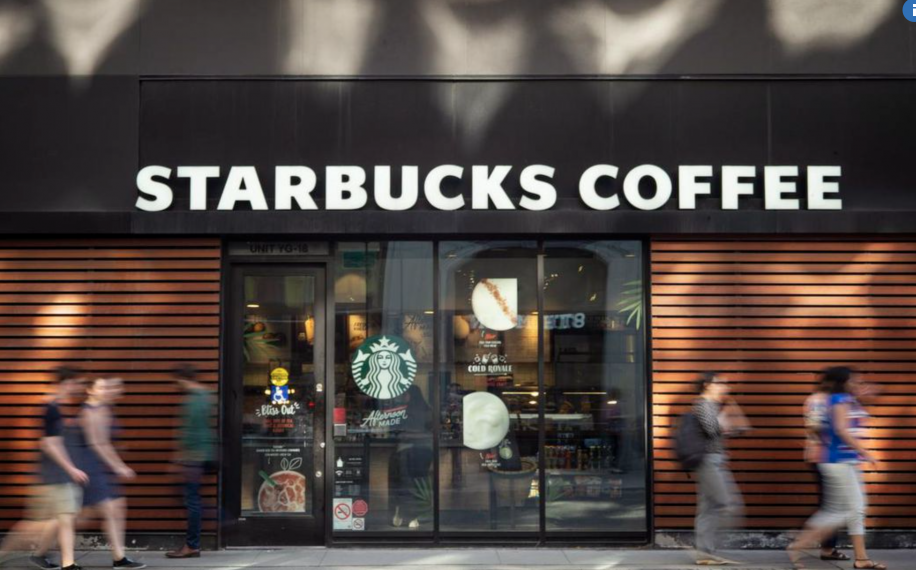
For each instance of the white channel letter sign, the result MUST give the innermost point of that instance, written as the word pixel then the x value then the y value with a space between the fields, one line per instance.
pixel 646 187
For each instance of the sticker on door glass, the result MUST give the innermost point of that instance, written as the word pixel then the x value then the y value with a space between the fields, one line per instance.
pixel 495 303
pixel 279 376
pixel 281 415
pixel 383 367
pixel 279 391
pixel 283 491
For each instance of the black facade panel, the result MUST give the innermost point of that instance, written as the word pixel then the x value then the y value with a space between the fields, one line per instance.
pixel 69 144
pixel 74 148
pixel 570 125
pixel 862 126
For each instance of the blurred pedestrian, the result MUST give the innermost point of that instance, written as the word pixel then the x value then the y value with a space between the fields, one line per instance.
pixel 53 507
pixel 719 504
pixel 845 501
pixel 99 459
pixel 816 429
pixel 410 463
pixel 196 451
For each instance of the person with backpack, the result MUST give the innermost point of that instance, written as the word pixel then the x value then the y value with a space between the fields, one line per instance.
pixel 845 501
pixel 715 416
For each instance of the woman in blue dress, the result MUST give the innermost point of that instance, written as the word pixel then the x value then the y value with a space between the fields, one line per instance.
pixel 103 465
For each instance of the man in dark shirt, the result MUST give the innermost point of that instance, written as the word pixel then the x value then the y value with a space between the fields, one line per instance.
pixel 58 499
pixel 196 451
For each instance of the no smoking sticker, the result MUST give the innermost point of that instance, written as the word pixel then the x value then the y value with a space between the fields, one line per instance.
pixel 343 514
pixel 359 524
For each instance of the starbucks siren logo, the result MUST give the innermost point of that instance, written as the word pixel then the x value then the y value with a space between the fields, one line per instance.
pixel 383 367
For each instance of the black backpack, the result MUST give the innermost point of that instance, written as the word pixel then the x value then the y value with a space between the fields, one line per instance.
pixel 690 441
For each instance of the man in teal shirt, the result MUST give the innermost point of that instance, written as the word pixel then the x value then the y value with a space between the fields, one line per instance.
pixel 196 450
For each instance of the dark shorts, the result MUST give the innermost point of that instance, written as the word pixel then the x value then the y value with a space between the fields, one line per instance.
pixel 102 487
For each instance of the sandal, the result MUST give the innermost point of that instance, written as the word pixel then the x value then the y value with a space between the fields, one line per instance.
pixel 834 555
pixel 868 564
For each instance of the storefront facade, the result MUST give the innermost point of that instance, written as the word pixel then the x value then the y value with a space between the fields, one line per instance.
pixel 448 445
pixel 462 307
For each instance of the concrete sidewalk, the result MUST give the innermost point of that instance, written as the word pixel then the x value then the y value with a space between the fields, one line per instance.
pixel 475 559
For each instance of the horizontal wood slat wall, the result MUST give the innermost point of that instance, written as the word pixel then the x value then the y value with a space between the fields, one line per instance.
pixel 126 307
pixel 770 315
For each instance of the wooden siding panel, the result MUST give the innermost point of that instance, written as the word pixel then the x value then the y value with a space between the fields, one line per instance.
pixel 771 314
pixel 132 307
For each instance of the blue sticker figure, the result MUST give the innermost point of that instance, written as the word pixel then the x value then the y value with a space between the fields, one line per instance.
pixel 279 394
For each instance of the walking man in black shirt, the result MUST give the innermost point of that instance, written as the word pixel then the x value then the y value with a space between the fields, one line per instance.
pixel 53 508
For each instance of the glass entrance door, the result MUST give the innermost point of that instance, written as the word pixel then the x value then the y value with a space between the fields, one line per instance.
pixel 274 447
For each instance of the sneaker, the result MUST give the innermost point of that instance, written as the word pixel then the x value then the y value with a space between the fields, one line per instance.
pixel 72 567
pixel 43 562
pixel 128 563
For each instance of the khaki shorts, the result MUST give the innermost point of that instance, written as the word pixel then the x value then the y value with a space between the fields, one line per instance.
pixel 53 500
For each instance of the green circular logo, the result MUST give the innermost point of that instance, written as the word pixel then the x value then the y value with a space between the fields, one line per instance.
pixel 383 367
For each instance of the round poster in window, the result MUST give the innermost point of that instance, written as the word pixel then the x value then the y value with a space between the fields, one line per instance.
pixel 383 367
pixel 283 491
pixel 495 303
pixel 485 420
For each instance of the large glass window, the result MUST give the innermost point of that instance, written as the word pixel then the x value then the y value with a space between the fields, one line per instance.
pixel 595 455
pixel 532 340
pixel 382 418
pixel 488 414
